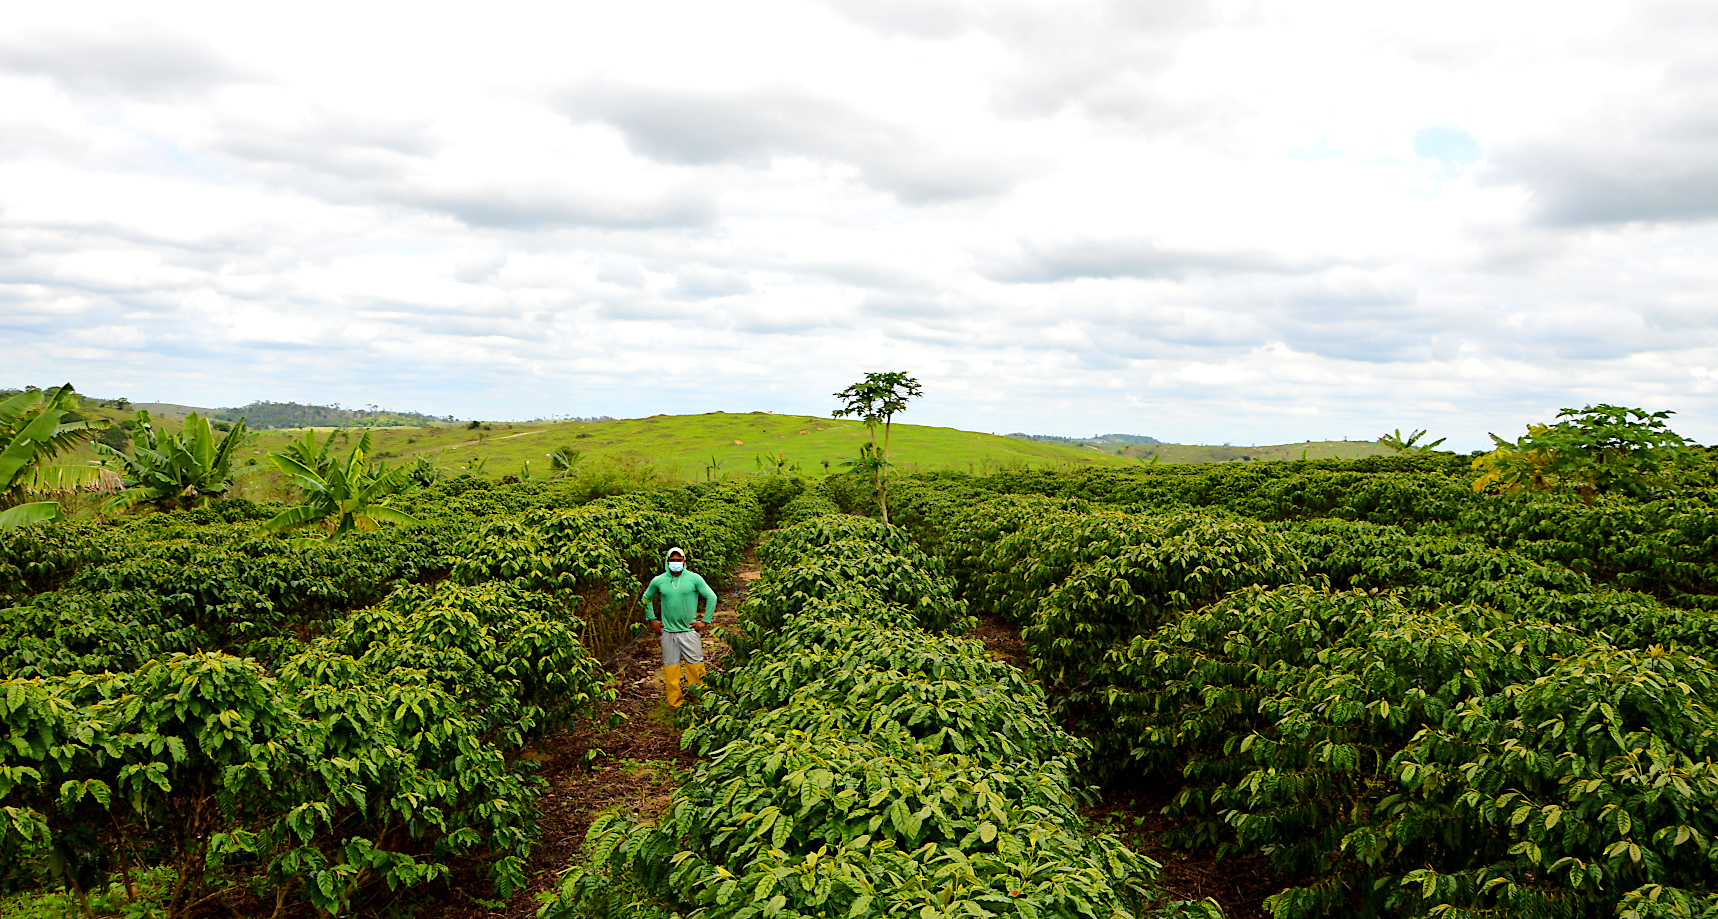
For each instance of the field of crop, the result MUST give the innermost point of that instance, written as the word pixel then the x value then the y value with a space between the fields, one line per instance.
pixel 863 761
pixel 1409 697
pixel 327 719
pixel 1393 686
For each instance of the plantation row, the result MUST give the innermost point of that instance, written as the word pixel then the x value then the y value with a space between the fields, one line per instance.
pixel 860 760
pixel 329 718
pixel 1664 546
pixel 1413 698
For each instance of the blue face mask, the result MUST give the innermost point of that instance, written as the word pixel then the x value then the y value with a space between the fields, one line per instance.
pixel 676 567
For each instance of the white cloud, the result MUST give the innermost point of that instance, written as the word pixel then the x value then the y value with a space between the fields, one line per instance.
pixel 754 127
pixel 1224 221
pixel 134 59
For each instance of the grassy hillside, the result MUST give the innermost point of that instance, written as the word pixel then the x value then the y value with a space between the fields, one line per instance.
pixel 684 446
pixel 169 411
pixel 714 445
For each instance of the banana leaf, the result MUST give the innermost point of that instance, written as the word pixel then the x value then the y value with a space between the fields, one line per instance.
pixel 26 514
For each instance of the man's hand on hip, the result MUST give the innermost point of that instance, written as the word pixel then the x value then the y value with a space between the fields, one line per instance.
pixel 698 626
pixel 657 625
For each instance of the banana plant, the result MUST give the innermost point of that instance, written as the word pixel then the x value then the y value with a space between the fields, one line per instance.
pixel 32 432
pixel 1410 444
pixel 310 453
pixel 176 471
pixel 344 496
pixel 776 463
pixel 424 472
pixel 563 462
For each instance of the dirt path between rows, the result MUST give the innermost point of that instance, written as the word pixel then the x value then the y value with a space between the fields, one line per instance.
pixel 634 765
pixel 1136 815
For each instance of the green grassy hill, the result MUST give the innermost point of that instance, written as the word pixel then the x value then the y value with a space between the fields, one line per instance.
pixel 684 446
pixel 718 444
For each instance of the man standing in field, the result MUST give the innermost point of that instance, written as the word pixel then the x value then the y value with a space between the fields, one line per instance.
pixel 679 590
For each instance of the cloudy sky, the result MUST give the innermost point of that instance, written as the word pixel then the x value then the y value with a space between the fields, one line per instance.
pixel 1205 221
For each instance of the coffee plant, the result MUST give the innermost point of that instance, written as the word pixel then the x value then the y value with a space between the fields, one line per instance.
pixel 1411 697
pixel 1405 695
pixel 1187 561
pixel 327 721
pixel 860 763
pixel 1562 793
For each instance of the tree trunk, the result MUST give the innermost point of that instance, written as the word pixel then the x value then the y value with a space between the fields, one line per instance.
pixel 125 856
pixel 883 472
pixel 78 893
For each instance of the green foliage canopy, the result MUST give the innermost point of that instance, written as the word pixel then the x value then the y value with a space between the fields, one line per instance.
pixel 1411 697
pixel 1595 450
pixel 875 400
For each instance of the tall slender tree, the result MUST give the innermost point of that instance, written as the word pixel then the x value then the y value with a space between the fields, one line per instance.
pixel 875 400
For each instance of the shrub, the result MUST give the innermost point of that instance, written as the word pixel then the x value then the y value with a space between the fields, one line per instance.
pixel 1195 560
pixel 1585 791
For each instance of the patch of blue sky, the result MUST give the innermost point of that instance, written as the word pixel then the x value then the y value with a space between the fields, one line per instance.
pixel 1453 146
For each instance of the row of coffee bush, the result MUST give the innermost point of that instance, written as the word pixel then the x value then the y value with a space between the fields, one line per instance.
pixel 329 721
pixel 1414 699
pixel 1665 545
pixel 860 760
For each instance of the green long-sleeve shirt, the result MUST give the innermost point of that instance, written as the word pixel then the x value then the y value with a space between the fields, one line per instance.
pixel 679 597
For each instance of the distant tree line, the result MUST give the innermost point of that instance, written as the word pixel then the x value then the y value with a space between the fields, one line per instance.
pixel 264 415
pixel 1097 441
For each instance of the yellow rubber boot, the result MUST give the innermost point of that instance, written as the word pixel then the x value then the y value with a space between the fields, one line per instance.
pixel 671 681
pixel 694 673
